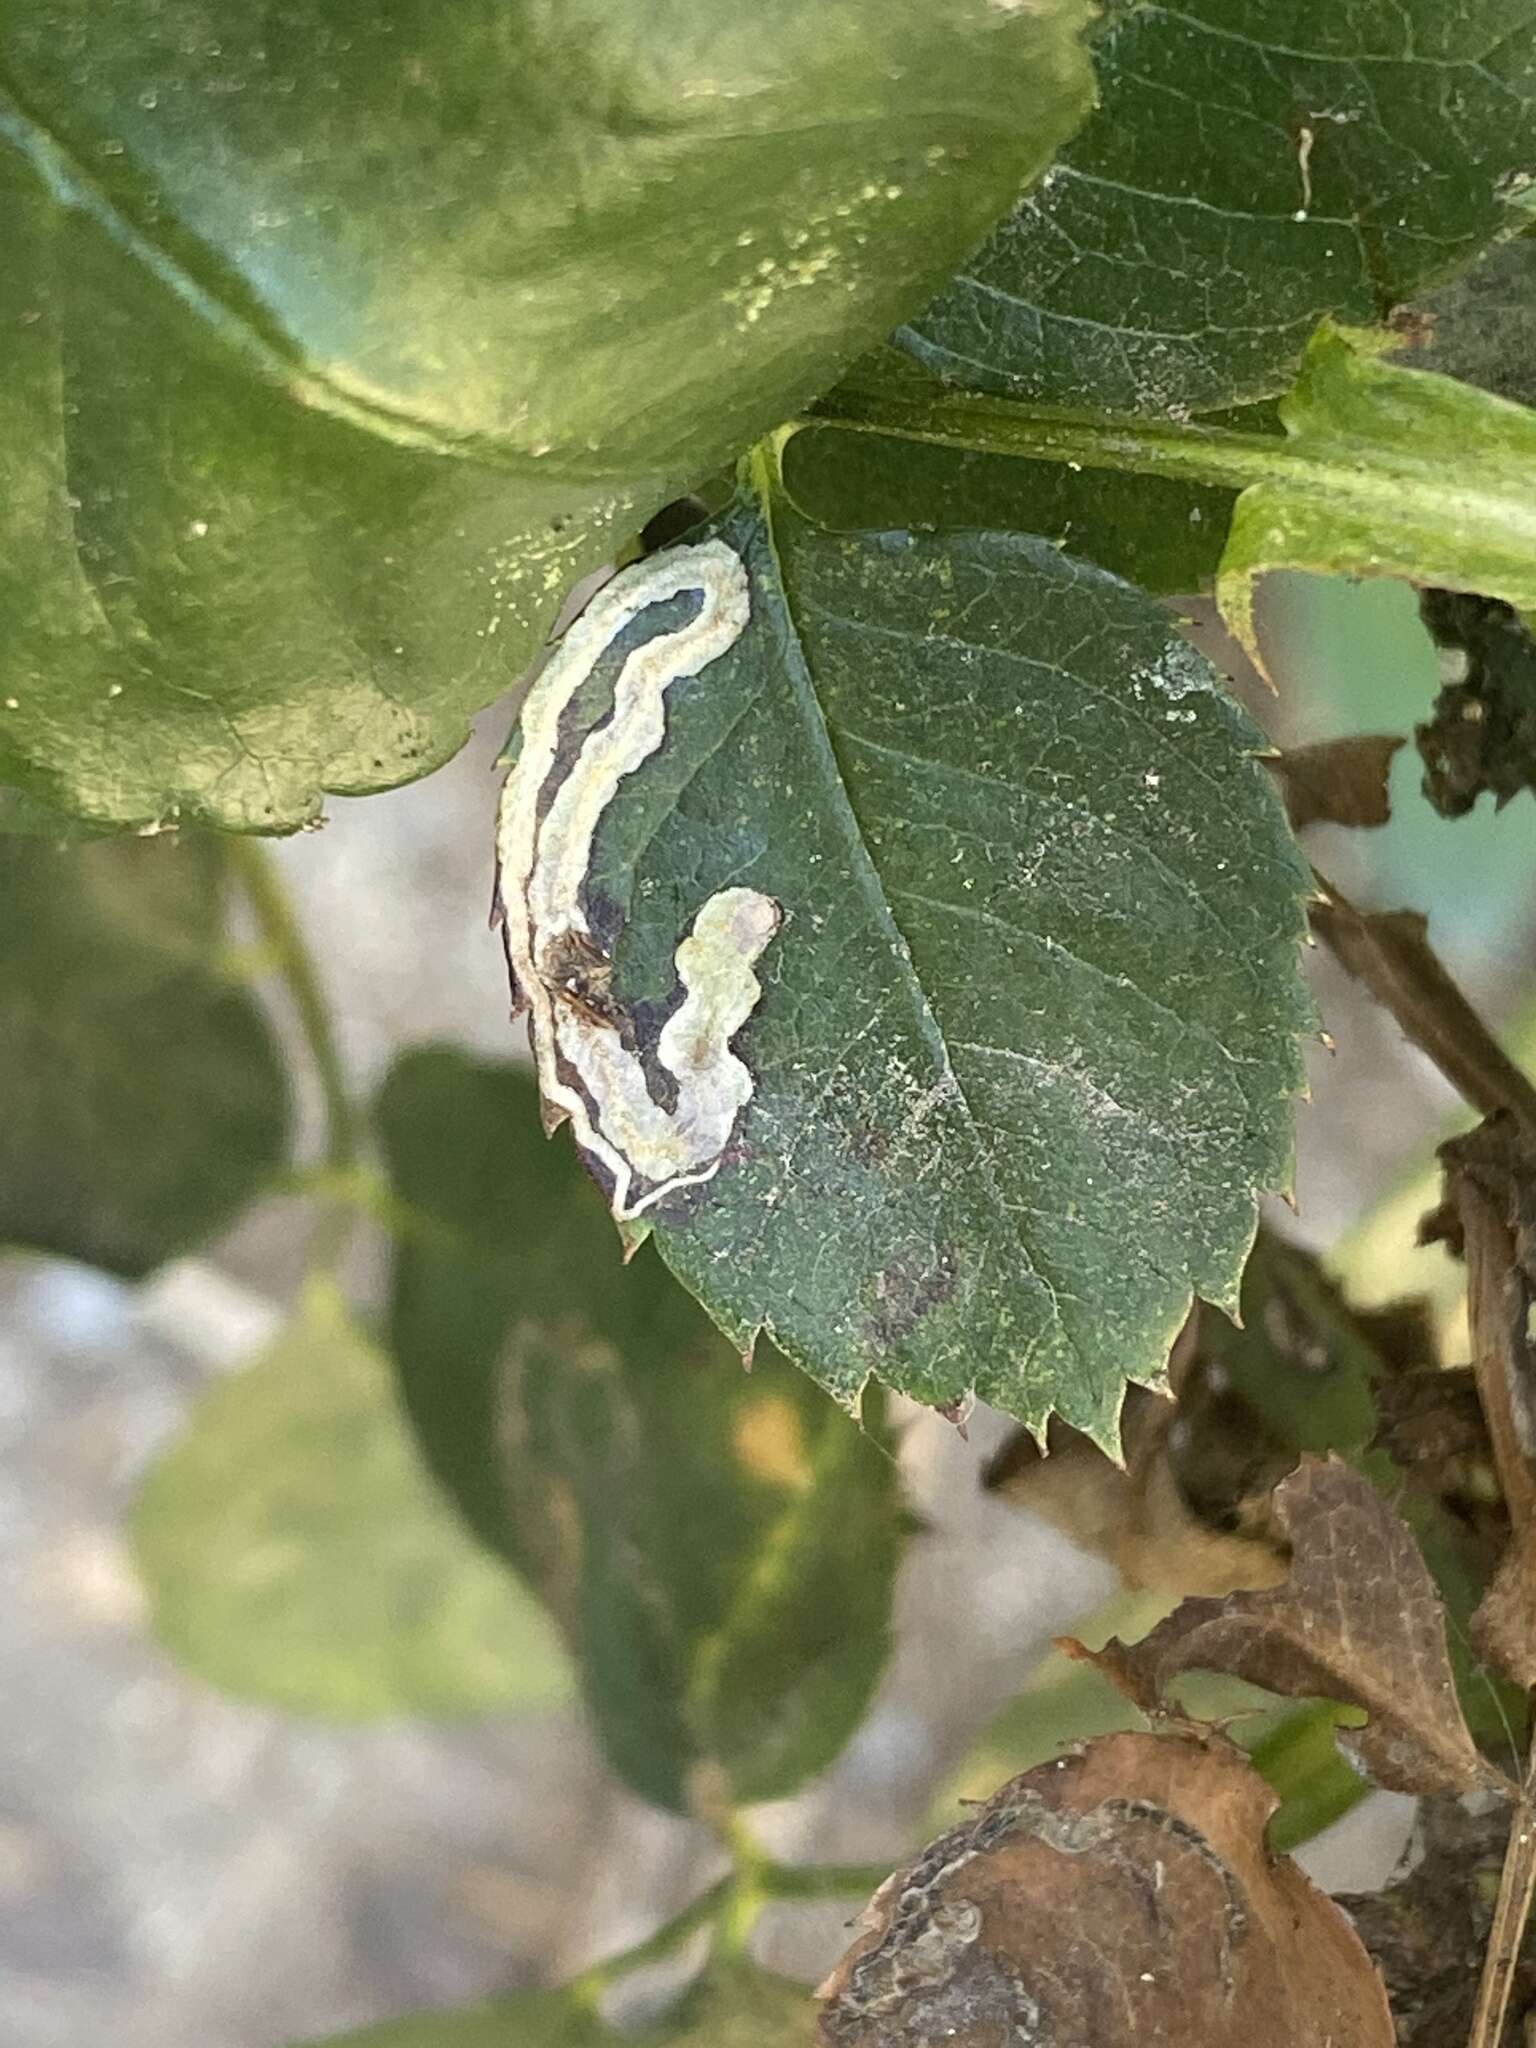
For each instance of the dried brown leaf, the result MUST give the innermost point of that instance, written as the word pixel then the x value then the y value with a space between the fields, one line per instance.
pixel 1428 1931
pixel 1491 1206
pixel 1358 1620
pixel 1338 782
pixel 1482 735
pixel 1504 1626
pixel 1431 1418
pixel 1140 1517
pixel 1120 1895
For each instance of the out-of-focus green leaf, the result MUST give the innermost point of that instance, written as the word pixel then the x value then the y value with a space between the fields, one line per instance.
pixel 734 2007
pixel 1253 166
pixel 143 1100
pixel 1162 534
pixel 1299 1757
pixel 336 344
pixel 296 1551
pixel 1482 326
pixel 535 2019
pixel 1028 1032
pixel 1389 472
pixel 717 1547
pixel 28 818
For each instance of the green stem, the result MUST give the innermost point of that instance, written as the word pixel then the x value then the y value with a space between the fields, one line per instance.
pixel 284 945
pixel 1184 450
pixel 813 1881
pixel 704 1911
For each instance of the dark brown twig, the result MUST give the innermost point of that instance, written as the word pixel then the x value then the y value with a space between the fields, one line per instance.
pixel 1389 952
pixel 1495 1291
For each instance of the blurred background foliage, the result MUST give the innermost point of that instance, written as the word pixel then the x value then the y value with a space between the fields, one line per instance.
pixel 252 1538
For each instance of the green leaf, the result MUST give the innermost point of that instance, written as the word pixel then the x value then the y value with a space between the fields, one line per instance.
pixel 535 2019
pixel 734 2007
pixel 1027 1032
pixel 1388 472
pixel 1481 327
pixel 26 816
pixel 295 1551
pixel 718 1548
pixel 1253 166
pixel 1162 533
pixel 143 1100
pixel 335 348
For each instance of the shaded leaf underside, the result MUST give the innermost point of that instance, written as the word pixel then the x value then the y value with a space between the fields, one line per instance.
pixel 143 1099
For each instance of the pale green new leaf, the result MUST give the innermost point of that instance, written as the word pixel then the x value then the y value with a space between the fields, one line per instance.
pixel 1027 1033
pixel 1389 472
pixel 295 1550
pixel 337 344
pixel 1253 166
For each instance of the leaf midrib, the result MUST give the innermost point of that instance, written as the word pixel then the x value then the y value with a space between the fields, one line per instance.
pixel 872 888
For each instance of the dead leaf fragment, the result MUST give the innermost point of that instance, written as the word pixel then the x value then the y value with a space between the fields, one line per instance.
pixel 1482 735
pixel 1121 1896
pixel 1186 1513
pixel 1428 1929
pixel 1358 1620
pixel 1490 1213
pixel 1338 782
pixel 1504 1626
pixel 1431 1418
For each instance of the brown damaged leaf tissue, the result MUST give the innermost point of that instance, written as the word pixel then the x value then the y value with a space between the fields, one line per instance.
pixel 1358 1620
pixel 1121 1896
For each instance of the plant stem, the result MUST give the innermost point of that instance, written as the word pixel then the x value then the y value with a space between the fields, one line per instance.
pixel 1511 1915
pixel 286 948
pixel 812 1881
pixel 1390 953
pixel 1496 1297
pixel 733 1907
pixel 704 1911
pixel 1182 449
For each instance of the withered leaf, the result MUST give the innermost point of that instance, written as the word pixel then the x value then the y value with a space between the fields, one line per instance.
pixel 1120 1895
pixel 1358 1620
pixel 1428 1932
pixel 1504 1626
pixel 1491 1213
pixel 1145 1517
pixel 1430 1418
pixel 1338 782
pixel 1482 735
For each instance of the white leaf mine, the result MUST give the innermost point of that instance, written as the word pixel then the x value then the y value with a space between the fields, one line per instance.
pixel 589 1063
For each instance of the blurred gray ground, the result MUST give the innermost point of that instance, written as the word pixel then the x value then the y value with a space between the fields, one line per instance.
pixel 182 1870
